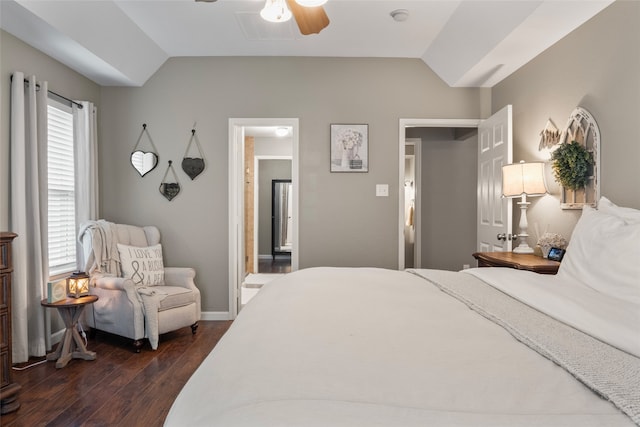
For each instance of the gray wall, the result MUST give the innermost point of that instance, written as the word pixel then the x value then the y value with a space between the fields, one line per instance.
pixel 448 198
pixel 342 223
pixel 596 67
pixel 18 56
pixel 269 170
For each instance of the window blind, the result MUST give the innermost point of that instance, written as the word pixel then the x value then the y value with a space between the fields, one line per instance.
pixel 61 190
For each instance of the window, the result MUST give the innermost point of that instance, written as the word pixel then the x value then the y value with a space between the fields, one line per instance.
pixel 61 190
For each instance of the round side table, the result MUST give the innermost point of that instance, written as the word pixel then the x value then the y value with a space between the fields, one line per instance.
pixel 72 346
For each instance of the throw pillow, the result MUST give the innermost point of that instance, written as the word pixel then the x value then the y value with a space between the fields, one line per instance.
pixel 143 265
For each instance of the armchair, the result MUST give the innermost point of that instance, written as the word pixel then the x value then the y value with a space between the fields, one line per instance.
pixel 123 308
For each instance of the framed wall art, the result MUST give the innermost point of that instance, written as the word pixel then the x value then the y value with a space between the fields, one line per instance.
pixel 349 148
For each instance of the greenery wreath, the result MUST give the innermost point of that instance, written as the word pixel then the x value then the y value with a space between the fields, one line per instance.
pixel 571 164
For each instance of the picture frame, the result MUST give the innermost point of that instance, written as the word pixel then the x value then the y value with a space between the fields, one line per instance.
pixel 349 150
pixel 56 291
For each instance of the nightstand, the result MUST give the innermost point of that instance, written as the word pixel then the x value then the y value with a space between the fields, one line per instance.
pixel 528 262
pixel 71 346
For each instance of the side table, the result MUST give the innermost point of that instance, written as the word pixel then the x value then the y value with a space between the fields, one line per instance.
pixel 71 346
pixel 528 262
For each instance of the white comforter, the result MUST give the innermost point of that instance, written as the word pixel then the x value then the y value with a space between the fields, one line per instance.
pixel 373 347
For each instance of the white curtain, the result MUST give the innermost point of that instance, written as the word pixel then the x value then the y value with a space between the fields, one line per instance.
pixel 86 163
pixel 28 215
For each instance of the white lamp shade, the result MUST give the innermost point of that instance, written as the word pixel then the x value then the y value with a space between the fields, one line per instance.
pixel 311 3
pixel 523 179
pixel 275 11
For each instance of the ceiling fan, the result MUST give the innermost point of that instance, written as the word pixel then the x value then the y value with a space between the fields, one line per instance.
pixel 309 14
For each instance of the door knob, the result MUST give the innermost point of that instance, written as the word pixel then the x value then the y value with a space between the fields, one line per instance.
pixel 502 236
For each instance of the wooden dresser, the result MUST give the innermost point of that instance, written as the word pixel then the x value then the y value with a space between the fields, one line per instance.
pixel 9 389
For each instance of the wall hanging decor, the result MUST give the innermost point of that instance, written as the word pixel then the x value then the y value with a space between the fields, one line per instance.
pixel 349 148
pixel 549 136
pixel 572 165
pixel 144 161
pixel 169 189
pixel 576 161
pixel 193 166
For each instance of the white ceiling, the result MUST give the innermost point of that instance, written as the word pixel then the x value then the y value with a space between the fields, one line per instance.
pixel 474 43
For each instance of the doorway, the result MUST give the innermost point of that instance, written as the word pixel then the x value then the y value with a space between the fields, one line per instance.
pixel 421 205
pixel 494 141
pixel 412 201
pixel 270 198
pixel 252 142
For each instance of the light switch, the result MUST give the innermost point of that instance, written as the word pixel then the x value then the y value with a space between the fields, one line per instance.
pixel 382 190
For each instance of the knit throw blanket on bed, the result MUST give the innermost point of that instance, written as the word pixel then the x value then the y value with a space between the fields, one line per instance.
pixel 611 373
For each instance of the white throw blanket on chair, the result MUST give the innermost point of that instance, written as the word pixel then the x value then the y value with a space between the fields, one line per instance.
pixel 150 299
pixel 104 260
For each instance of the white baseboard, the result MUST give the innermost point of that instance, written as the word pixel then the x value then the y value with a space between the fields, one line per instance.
pixel 215 315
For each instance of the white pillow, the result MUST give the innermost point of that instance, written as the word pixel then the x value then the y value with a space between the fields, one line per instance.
pixel 604 254
pixel 143 265
pixel 629 215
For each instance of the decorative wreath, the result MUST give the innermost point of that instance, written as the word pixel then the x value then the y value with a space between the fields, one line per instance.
pixel 571 164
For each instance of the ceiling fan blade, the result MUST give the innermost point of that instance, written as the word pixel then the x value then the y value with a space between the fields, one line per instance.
pixel 310 20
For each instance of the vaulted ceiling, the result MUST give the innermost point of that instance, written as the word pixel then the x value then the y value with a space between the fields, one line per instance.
pixel 468 43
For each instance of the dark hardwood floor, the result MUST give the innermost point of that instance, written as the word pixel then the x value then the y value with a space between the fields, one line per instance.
pixel 119 388
pixel 281 264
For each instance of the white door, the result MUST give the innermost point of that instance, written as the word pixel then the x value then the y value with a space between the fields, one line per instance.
pixel 494 212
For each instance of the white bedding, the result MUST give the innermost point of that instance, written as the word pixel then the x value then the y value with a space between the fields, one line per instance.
pixel 610 319
pixel 374 347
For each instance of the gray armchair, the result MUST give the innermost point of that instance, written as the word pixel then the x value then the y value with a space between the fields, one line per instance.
pixel 125 309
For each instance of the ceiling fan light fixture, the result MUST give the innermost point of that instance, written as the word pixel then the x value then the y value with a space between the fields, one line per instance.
pixel 275 11
pixel 400 15
pixel 311 3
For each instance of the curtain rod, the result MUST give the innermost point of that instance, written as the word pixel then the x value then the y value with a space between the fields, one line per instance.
pixel 64 98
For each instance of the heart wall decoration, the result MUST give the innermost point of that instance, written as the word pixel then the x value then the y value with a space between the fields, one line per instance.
pixel 144 161
pixel 193 166
pixel 169 189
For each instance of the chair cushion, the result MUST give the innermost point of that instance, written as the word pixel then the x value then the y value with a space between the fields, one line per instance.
pixel 177 296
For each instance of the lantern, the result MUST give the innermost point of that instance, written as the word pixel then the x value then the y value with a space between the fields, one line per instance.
pixel 78 284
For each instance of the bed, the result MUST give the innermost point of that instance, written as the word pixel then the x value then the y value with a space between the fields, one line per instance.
pixel 483 347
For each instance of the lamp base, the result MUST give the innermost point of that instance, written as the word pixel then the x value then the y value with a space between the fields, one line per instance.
pixel 523 248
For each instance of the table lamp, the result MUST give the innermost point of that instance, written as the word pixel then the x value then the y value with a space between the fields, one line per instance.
pixel 78 285
pixel 522 180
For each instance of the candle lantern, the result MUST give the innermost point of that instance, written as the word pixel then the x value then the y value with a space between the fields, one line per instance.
pixel 78 284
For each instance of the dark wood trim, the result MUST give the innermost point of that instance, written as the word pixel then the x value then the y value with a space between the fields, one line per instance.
pixel 527 262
